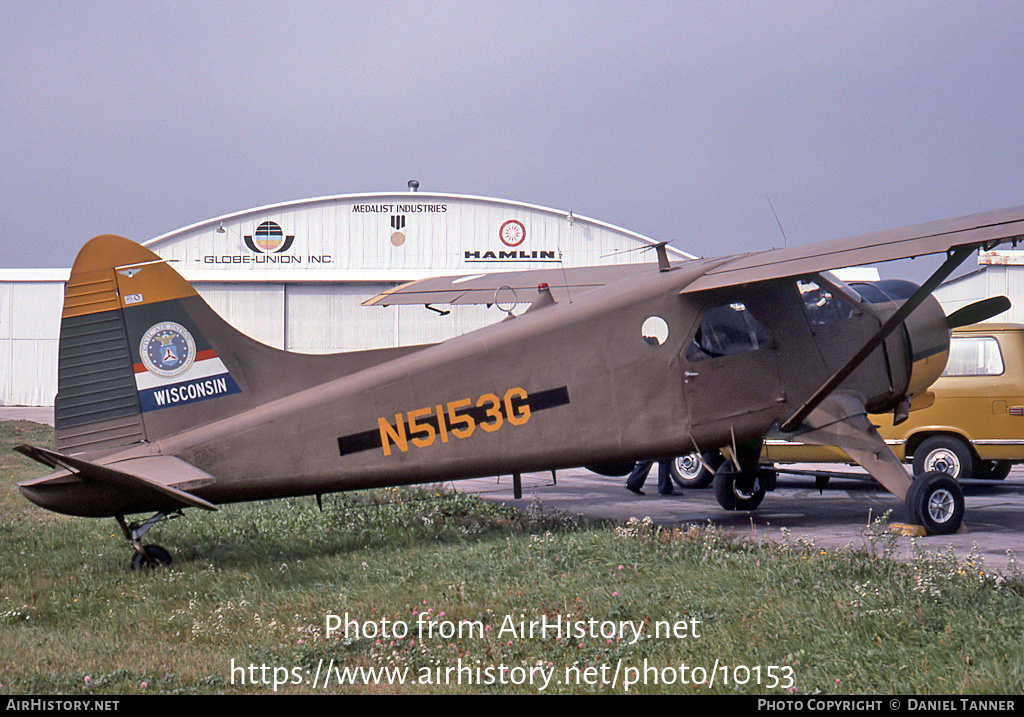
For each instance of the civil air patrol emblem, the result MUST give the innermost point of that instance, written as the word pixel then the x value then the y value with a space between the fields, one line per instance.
pixel 167 349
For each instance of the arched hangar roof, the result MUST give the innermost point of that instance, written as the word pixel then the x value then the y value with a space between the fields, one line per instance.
pixel 394 236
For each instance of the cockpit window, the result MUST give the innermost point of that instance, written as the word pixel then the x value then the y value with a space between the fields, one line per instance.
pixel 881 292
pixel 822 307
pixel 726 330
pixel 852 295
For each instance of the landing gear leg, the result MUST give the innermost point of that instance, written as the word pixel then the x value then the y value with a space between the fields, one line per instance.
pixel 145 556
pixel 934 500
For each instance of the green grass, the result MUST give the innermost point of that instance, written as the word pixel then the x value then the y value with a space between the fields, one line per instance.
pixel 252 586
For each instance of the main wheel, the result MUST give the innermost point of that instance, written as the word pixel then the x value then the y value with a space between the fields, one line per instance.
pixel 936 501
pixel 155 557
pixel 691 471
pixel 946 454
pixel 736 490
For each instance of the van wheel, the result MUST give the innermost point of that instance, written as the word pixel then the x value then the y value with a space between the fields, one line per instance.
pixel 944 454
pixel 936 502
pixel 689 472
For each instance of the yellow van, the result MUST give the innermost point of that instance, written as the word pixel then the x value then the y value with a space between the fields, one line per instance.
pixel 974 429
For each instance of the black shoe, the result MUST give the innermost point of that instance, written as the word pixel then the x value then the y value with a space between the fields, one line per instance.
pixel 635 490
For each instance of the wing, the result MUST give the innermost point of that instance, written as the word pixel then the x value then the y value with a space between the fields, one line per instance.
pixel 983 230
pixel 485 288
pixel 975 231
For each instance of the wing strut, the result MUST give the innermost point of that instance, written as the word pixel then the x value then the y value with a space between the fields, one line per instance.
pixel 954 259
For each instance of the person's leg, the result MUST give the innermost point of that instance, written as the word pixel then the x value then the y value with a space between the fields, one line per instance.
pixel 636 479
pixel 664 479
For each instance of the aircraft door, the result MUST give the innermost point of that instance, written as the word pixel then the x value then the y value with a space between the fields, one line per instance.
pixel 730 368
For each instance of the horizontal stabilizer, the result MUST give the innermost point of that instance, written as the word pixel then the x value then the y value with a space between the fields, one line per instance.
pixel 160 477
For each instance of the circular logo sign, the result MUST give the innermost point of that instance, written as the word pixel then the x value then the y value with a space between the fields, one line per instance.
pixel 167 349
pixel 512 233
pixel 269 238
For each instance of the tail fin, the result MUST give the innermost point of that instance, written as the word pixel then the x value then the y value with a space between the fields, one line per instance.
pixel 142 356
pixel 128 346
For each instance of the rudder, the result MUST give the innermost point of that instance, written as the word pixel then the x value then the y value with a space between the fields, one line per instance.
pixel 96 405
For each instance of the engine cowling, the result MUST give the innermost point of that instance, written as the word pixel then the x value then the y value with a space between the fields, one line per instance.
pixel 917 354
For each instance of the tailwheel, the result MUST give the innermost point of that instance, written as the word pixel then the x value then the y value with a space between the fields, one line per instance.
pixel 936 502
pixel 151 556
pixel 740 490
pixel 146 556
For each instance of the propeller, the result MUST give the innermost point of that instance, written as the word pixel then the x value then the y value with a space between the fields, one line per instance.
pixel 978 311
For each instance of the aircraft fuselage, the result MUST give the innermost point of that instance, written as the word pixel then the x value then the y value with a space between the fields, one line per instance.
pixel 574 384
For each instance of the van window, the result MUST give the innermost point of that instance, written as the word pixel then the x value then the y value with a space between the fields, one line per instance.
pixel 725 330
pixel 974 356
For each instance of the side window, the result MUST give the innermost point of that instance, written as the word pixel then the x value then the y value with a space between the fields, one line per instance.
pixel 726 330
pixel 821 306
pixel 974 356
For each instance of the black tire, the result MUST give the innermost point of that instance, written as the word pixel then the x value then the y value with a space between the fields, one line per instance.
pixel 936 502
pixel 689 472
pixel 155 557
pixel 944 454
pixel 992 470
pixel 738 491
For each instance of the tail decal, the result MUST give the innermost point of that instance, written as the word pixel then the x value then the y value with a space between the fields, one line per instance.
pixel 174 370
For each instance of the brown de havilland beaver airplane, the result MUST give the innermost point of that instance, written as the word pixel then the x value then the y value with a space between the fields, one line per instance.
pixel 162 405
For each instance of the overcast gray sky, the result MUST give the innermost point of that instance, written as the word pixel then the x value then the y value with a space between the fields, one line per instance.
pixel 678 120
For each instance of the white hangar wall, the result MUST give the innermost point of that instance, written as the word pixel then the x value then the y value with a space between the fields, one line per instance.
pixel 294 275
pixel 1000 273
pixel 30 306
pixel 329 317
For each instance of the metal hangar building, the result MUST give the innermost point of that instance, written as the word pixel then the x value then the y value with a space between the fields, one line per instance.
pixel 294 275
pixel 999 272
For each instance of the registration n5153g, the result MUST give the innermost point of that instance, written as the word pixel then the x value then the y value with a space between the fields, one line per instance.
pixel 459 419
